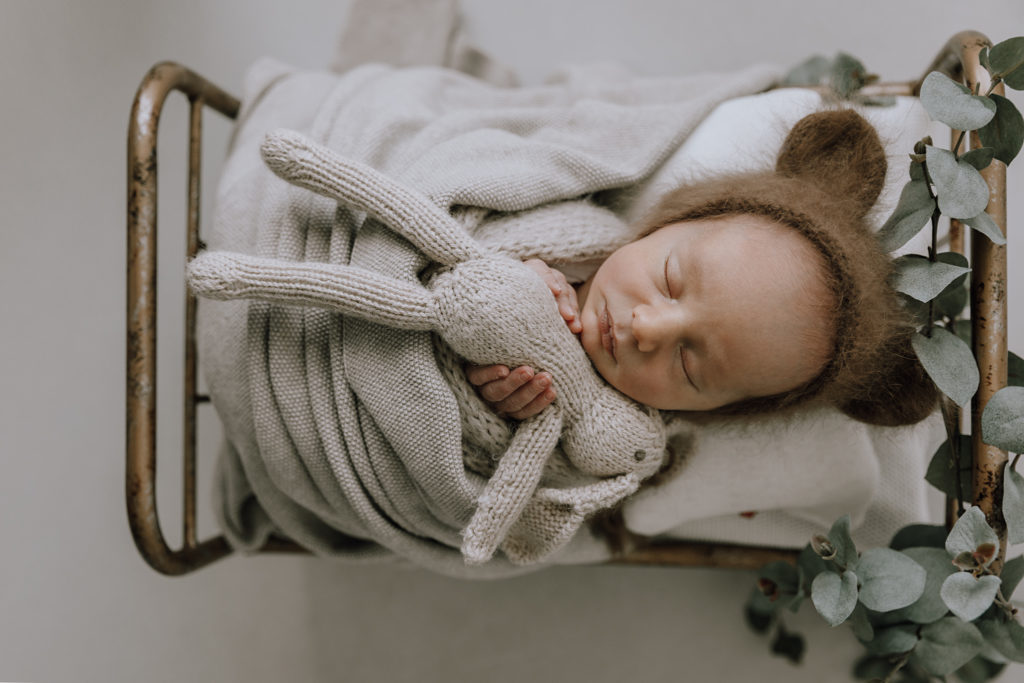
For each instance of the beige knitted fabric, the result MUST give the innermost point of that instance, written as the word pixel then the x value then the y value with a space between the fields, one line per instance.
pixel 488 309
pixel 347 434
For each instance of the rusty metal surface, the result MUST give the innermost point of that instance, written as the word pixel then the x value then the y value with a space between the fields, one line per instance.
pixel 694 554
pixel 140 438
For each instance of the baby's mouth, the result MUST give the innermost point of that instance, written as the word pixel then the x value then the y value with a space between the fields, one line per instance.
pixel 606 326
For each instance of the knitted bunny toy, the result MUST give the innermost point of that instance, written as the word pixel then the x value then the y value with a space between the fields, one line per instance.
pixel 489 308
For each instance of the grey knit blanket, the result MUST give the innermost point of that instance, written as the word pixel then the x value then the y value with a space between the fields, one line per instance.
pixel 363 440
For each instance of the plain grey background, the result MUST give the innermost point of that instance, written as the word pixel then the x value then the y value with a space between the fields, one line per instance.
pixel 76 601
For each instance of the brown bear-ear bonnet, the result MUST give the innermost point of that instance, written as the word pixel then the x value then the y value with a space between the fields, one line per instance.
pixel 829 173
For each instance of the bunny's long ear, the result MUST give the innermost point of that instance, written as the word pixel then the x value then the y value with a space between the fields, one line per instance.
pixel 302 162
pixel 839 151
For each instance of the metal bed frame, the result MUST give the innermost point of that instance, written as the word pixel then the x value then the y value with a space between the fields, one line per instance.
pixel 958 59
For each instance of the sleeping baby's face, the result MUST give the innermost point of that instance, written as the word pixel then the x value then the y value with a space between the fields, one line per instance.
pixel 704 313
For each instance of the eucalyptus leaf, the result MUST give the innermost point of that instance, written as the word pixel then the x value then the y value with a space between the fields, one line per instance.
pixel 759 603
pixel 834 595
pixel 947 644
pixel 983 58
pixel 916 171
pixel 860 622
pixel 758 622
pixel 949 362
pixel 839 535
pixel 1013 503
pixel 1005 132
pixel 1015 371
pixel 1006 61
pixel 919 536
pixel 809 565
pixel 812 71
pixel 951 103
pixel 889 579
pixel 782 574
pixel 984 224
pixel 952 301
pixel 941 473
pixel 979 158
pixel 871 667
pixel 979 670
pixel 1013 572
pixel 1002 423
pixel 962 192
pixel 1006 636
pixel 913 210
pixel 929 607
pixel 968 596
pixel 969 532
pixel 789 645
pixel 848 75
pixel 893 640
pixel 922 279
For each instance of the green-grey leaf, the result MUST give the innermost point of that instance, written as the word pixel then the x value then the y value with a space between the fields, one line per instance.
pixel 848 75
pixel 980 669
pixel 810 564
pixel 1005 132
pixel 861 624
pixel 1013 572
pixel 889 579
pixel 962 192
pixel 839 535
pixel 922 279
pixel 984 224
pixel 1006 60
pixel 948 644
pixel 812 71
pixel 1015 371
pixel 916 170
pixel 782 573
pixel 871 668
pixel 969 532
pixel 949 362
pixel 834 595
pixel 1002 423
pixel 947 101
pixel 950 303
pixel 1013 503
pixel 929 607
pixel 893 640
pixel 919 536
pixel 1007 637
pixel 983 58
pixel 942 475
pixel 913 210
pixel 968 597
pixel 979 158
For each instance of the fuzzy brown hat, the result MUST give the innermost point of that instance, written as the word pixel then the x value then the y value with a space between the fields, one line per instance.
pixel 829 173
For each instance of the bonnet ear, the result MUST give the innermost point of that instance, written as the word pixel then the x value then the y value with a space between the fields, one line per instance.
pixel 840 152
pixel 899 394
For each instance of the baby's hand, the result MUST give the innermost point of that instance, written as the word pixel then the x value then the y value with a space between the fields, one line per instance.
pixel 564 293
pixel 519 394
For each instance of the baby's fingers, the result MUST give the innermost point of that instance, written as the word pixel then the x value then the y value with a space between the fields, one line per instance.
pixel 479 375
pixel 529 399
pixel 500 389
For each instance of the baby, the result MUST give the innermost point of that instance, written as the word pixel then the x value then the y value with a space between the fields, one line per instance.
pixel 747 294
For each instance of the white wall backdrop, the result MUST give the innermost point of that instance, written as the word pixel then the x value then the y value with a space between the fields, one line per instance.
pixel 76 601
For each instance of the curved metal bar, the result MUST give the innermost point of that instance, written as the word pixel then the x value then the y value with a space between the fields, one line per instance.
pixel 140 479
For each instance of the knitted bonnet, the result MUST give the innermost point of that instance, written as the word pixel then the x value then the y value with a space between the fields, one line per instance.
pixel 829 173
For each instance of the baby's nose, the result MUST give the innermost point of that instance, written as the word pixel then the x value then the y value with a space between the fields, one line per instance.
pixel 654 326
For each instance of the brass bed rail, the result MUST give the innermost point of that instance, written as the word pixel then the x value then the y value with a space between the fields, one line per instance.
pixel 958 59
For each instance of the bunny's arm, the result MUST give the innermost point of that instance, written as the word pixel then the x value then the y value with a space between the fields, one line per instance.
pixel 344 289
pixel 302 162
